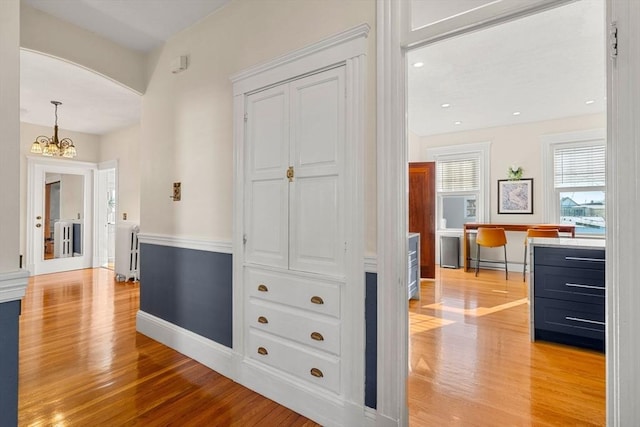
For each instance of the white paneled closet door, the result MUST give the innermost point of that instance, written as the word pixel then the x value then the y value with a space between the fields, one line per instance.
pixel 297 222
pixel 317 143
pixel 267 192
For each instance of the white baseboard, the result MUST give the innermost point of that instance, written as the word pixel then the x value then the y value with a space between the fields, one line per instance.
pixel 211 354
pixel 314 403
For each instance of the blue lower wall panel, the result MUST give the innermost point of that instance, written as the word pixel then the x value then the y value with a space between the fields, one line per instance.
pixel 9 327
pixel 189 288
pixel 371 335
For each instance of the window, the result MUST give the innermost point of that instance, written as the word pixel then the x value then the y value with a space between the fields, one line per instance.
pixel 577 176
pixel 461 175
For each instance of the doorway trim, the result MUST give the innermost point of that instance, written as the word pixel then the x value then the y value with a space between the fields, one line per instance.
pixel 394 38
pixel 88 170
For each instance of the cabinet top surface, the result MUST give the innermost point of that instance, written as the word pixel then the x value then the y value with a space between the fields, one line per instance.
pixel 565 242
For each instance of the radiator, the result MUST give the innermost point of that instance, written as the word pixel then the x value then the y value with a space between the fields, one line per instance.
pixel 63 239
pixel 127 252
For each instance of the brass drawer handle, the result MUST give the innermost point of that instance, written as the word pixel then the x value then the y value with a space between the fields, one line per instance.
pixel 317 336
pixel 262 320
pixel 262 288
pixel 316 373
pixel 317 300
pixel 263 351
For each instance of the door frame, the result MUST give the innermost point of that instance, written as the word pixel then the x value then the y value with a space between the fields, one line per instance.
pixel 101 253
pixel 394 38
pixel 38 167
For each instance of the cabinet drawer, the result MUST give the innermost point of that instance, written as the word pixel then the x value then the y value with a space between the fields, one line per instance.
pixel 316 368
pixel 323 334
pixel 578 319
pixel 570 257
pixel 298 292
pixel 574 284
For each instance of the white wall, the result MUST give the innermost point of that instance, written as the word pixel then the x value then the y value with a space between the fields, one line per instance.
pixel 9 134
pixel 186 127
pixel 87 146
pixel 71 197
pixel 124 146
pixel 519 145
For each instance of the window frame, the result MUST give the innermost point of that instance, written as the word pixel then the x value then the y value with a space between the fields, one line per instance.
pixel 480 151
pixel 592 137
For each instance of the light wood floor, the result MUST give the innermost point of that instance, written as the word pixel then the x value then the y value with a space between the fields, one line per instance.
pixel 83 364
pixel 472 363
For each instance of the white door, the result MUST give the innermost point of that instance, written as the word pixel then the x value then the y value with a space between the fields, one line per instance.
pixel 317 144
pixel 294 194
pixel 59 216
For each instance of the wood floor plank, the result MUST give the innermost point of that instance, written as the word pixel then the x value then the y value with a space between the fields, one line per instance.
pixel 473 364
pixel 82 363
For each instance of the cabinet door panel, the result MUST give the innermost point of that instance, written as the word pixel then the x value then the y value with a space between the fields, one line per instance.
pixel 266 191
pixel 317 144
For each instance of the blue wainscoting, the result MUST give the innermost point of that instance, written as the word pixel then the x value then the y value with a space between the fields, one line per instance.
pixel 189 288
pixel 193 289
pixel 9 317
pixel 371 341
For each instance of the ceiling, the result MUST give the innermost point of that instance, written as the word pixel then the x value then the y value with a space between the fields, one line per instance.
pixel 92 103
pixel 544 66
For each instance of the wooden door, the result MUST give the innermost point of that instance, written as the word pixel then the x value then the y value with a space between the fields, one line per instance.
pixel 422 209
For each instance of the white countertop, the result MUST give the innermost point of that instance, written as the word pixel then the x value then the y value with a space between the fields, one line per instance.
pixel 567 242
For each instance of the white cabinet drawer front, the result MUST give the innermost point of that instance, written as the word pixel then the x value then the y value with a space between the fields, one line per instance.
pixel 323 334
pixel 315 368
pixel 298 292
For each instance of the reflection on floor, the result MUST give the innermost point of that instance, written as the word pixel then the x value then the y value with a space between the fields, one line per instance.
pixel 472 363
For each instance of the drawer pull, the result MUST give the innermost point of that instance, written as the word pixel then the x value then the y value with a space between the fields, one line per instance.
pixel 317 300
pixel 263 351
pixel 577 285
pixel 577 258
pixel 263 320
pixel 316 373
pixel 317 336
pixel 262 288
pixel 577 319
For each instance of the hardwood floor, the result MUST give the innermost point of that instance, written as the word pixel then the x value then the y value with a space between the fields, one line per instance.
pixel 82 363
pixel 472 363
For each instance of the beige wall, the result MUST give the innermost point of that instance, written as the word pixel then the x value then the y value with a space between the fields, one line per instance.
pixel 9 133
pixel 44 33
pixel 186 127
pixel 519 145
pixel 124 146
pixel 86 144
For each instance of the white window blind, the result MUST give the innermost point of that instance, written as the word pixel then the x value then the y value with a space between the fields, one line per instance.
pixel 579 166
pixel 458 175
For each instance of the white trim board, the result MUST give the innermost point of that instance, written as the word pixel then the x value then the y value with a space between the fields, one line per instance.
pixel 13 285
pixel 219 246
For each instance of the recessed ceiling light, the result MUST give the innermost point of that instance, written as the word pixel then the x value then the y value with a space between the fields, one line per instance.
pixel 418 64
pixel 589 102
pixel 445 105
pixel 516 113
pixel 457 123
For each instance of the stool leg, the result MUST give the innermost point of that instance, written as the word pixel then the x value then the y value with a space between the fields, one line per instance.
pixel 477 259
pixel 506 271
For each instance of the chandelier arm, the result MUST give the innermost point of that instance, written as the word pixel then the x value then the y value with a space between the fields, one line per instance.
pixel 66 142
pixel 42 140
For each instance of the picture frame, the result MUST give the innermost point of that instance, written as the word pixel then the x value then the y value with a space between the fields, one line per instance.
pixel 515 196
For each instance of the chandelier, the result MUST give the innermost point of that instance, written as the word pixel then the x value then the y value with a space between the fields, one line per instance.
pixel 53 146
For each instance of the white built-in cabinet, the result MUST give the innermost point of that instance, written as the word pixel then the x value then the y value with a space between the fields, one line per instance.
pixel 294 227
pixel 298 238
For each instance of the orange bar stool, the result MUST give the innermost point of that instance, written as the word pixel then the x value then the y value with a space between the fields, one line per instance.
pixel 491 238
pixel 536 232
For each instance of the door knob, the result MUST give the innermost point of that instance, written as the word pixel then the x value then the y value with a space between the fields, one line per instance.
pixel 38 225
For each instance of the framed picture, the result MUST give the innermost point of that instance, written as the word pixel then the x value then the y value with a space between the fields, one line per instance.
pixel 515 196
